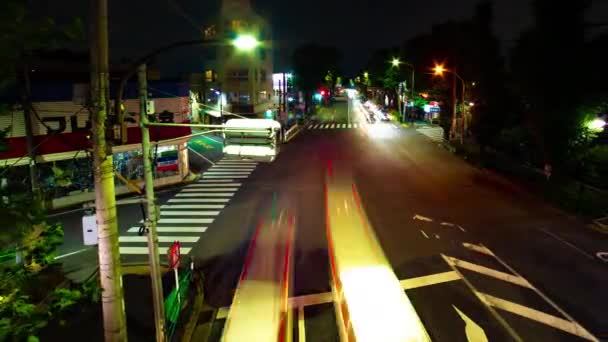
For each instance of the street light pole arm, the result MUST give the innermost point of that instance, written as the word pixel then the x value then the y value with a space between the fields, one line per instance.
pixel 144 59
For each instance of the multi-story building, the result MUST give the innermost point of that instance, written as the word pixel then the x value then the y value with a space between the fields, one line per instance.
pixel 238 81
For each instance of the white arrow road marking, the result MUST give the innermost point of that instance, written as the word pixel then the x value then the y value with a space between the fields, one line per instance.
pixel 472 330
pixel 478 248
pixel 602 255
pixel 535 315
pixel 422 218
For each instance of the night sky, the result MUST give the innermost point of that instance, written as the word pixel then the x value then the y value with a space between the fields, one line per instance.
pixel 356 27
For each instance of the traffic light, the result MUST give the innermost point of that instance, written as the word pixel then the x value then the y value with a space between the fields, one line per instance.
pixel 322 92
pixel 268 113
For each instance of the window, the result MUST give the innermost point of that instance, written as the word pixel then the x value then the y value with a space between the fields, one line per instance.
pixel 240 74
pixel 209 77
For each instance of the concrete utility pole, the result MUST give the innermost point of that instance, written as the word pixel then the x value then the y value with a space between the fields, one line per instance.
pixel 150 222
pixel 112 297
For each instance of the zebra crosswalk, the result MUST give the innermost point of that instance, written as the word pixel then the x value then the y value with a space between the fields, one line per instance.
pixel 434 133
pixel 190 212
pixel 333 125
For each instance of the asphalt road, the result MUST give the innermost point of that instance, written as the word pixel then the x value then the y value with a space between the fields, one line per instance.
pixel 502 259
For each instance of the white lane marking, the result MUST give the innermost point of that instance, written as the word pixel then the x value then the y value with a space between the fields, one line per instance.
pixel 539 293
pixel 478 248
pixel 161 238
pixel 201 190
pixel 144 250
pixel 578 249
pixel 535 315
pixel 424 234
pixel 210 185
pixel 602 256
pixel 194 220
pixel 186 213
pixel 472 330
pixel 333 125
pixel 226 177
pixel 204 194
pixel 422 218
pixel 489 272
pixel 355 125
pixel 463 230
pixel 350 125
pixel 428 280
pixel 71 253
pixel 192 206
pixel 301 325
pixel 343 125
pixel 436 236
pixel 199 200
pixel 492 311
pixel 173 229
pixel 448 224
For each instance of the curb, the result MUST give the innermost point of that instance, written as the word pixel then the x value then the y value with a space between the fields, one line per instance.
pixel 192 323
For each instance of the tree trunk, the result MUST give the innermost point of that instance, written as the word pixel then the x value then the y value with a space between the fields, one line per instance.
pixel 114 320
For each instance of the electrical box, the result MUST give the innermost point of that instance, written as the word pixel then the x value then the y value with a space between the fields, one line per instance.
pixel 89 229
pixel 150 107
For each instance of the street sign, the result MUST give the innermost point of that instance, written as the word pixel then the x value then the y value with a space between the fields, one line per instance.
pixel 174 255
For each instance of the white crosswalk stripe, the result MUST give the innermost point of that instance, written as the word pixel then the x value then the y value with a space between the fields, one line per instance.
pixel 208 189
pixel 205 176
pixel 211 185
pixel 161 238
pixel 192 209
pixel 199 200
pixel 192 206
pixel 433 133
pixel 203 181
pixel 192 220
pixel 204 194
pixel 172 229
pixel 332 125
pixel 144 250
pixel 189 213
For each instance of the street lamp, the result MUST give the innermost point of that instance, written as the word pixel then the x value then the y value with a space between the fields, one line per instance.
pixel 395 62
pixel 245 42
pixel 439 69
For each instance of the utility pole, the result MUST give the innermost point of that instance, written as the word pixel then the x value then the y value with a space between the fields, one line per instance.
pixel 24 76
pixel 150 222
pixel 453 128
pixel 112 297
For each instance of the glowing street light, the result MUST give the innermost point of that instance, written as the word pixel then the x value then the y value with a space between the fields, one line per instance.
pixel 439 69
pixel 395 62
pixel 245 42
pixel 596 125
pixel 366 74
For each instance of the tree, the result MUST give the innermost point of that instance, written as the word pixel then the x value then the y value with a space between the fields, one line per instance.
pixel 312 63
pixel 547 62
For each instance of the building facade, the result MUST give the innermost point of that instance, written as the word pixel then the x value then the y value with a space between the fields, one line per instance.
pixel 238 81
